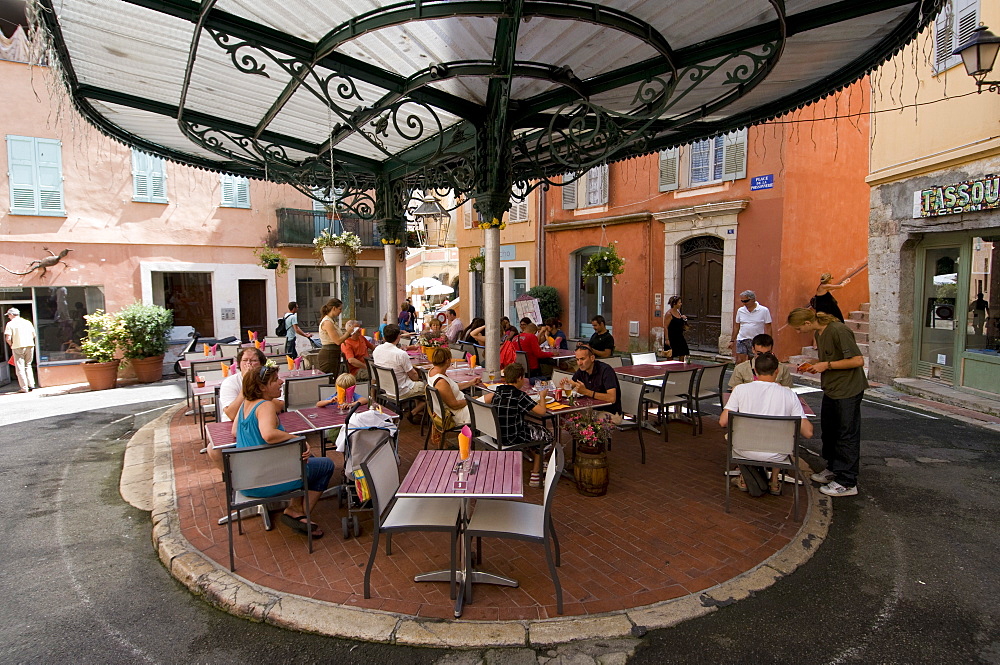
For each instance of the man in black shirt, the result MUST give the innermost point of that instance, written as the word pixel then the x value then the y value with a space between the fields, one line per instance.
pixel 601 342
pixel 596 379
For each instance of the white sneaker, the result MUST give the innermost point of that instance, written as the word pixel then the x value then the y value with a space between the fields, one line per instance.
pixel 823 477
pixel 836 489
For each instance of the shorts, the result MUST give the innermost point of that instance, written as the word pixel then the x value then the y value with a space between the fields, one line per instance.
pixel 745 346
pixel 417 390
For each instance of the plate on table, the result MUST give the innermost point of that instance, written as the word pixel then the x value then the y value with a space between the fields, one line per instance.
pixel 549 399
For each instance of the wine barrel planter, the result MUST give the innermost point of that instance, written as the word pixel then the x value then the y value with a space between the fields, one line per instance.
pixel 591 473
pixel 101 376
pixel 148 370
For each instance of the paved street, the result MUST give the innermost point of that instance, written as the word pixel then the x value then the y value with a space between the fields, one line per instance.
pixel 906 575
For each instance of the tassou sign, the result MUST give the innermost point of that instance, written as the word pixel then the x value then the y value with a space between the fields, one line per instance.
pixel 969 196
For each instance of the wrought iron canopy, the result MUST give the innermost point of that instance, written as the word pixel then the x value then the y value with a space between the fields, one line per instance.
pixel 429 94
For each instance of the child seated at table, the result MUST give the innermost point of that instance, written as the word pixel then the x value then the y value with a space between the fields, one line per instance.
pixel 512 405
pixel 345 381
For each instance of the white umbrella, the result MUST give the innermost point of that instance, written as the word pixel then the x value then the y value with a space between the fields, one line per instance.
pixel 439 290
pixel 424 282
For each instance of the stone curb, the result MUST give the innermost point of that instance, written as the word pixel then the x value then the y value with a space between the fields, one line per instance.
pixel 236 595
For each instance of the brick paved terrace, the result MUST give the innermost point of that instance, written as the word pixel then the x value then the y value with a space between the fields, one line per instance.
pixel 660 532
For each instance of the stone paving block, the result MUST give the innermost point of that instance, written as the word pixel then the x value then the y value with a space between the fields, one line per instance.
pixel 665 615
pixel 507 657
pixel 236 595
pixel 558 631
pixel 312 616
pixel 189 567
pixel 741 587
pixel 460 634
pixel 170 547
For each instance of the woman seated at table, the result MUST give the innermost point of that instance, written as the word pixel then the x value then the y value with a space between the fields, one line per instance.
pixel 231 390
pixel 257 424
pixel 507 331
pixel 512 405
pixel 433 335
pixel 476 332
pixel 456 408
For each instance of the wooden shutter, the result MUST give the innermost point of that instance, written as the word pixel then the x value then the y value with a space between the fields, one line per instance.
pixel 518 210
pixel 966 20
pixel 467 215
pixel 48 161
pixel 242 192
pixel 669 173
pixel 943 37
pixel 140 176
pixel 21 173
pixel 734 155
pixel 604 173
pixel 952 28
pixel 568 193
pixel 157 172
pixel 228 185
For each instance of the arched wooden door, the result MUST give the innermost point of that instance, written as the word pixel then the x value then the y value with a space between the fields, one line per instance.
pixel 701 290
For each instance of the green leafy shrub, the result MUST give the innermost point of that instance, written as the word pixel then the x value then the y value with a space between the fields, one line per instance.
pixel 146 328
pixel 548 300
pixel 104 334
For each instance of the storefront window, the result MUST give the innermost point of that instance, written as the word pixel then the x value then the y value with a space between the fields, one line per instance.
pixel 593 297
pixel 189 296
pixel 983 320
pixel 940 290
pixel 59 312
pixel 359 287
pixel 313 287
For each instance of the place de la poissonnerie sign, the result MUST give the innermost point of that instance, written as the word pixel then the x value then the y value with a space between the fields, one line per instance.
pixel 969 196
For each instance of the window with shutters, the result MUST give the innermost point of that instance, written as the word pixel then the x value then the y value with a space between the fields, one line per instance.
pixel 149 178
pixel 235 191
pixel 518 210
pixel 468 214
pixel 952 28
pixel 34 169
pixel 589 191
pixel 705 162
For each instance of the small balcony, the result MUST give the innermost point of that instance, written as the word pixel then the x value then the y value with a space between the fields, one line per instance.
pixel 299 227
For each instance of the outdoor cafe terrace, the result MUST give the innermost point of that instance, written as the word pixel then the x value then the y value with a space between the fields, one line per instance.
pixel 660 532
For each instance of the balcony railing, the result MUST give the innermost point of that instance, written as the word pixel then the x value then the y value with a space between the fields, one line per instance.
pixel 299 227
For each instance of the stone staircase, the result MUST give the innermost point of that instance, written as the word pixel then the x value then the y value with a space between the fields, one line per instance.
pixel 856 321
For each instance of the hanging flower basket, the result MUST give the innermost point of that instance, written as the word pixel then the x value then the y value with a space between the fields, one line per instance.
pixel 271 259
pixel 477 263
pixel 605 262
pixel 338 250
pixel 334 256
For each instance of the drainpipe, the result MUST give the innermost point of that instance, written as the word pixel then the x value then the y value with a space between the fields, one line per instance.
pixel 540 239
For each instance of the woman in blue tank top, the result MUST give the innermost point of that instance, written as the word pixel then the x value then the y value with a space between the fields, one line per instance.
pixel 257 424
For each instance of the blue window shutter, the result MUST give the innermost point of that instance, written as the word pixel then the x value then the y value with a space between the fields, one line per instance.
pixel 157 179
pixel 22 176
pixel 242 193
pixel 140 176
pixel 48 161
pixel 228 185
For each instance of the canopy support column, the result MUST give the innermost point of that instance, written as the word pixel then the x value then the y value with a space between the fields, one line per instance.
pixel 391 228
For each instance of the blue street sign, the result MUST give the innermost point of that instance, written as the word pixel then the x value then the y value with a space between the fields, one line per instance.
pixel 762 182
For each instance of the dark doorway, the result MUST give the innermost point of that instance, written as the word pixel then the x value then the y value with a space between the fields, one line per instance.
pixel 701 290
pixel 253 307
pixel 189 296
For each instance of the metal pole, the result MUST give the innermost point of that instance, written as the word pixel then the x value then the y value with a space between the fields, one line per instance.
pixel 493 295
pixel 390 283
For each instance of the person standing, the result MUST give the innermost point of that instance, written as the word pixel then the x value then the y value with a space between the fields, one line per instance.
pixel 752 319
pixel 823 300
pixel 601 342
pixel 292 329
pixel 675 329
pixel 841 369
pixel 20 337
pixel 331 336
pixel 405 319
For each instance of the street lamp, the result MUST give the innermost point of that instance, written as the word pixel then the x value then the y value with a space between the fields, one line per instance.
pixel 978 55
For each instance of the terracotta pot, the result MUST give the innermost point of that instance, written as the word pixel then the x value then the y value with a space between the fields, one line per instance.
pixel 334 256
pixel 148 370
pixel 101 376
pixel 591 473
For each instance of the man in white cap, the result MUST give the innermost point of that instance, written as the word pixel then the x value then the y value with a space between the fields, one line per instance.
pixel 20 336
pixel 752 319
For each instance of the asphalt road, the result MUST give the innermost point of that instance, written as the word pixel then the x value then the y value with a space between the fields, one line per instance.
pixel 907 574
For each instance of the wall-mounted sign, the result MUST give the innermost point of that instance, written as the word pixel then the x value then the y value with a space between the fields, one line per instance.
pixel 761 182
pixel 507 252
pixel 969 196
pixel 228 313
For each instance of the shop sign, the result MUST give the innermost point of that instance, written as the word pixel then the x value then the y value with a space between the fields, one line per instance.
pixel 969 196
pixel 507 252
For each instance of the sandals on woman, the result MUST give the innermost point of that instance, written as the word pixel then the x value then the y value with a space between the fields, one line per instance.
pixel 301 525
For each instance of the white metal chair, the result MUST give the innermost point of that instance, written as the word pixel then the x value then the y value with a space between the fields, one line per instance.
pixel 643 358
pixel 613 361
pixel 764 434
pixel 392 515
pixel 707 385
pixel 388 392
pixel 519 520
pixel 674 389
pixel 632 394
pixel 558 375
pixel 261 466
pixel 229 350
pixel 522 360
pixel 437 409
pixel 305 391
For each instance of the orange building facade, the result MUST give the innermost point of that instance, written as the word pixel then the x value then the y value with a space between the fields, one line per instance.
pixel 767 209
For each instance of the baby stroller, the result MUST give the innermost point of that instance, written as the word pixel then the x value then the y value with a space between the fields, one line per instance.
pixel 361 440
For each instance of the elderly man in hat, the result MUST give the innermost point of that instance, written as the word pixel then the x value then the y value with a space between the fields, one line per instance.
pixel 752 319
pixel 20 336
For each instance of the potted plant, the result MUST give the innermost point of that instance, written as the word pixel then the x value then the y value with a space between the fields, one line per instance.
pixel 338 250
pixel 146 330
pixel 271 259
pixel 605 262
pixel 549 305
pixel 104 332
pixel 591 434
pixel 477 263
